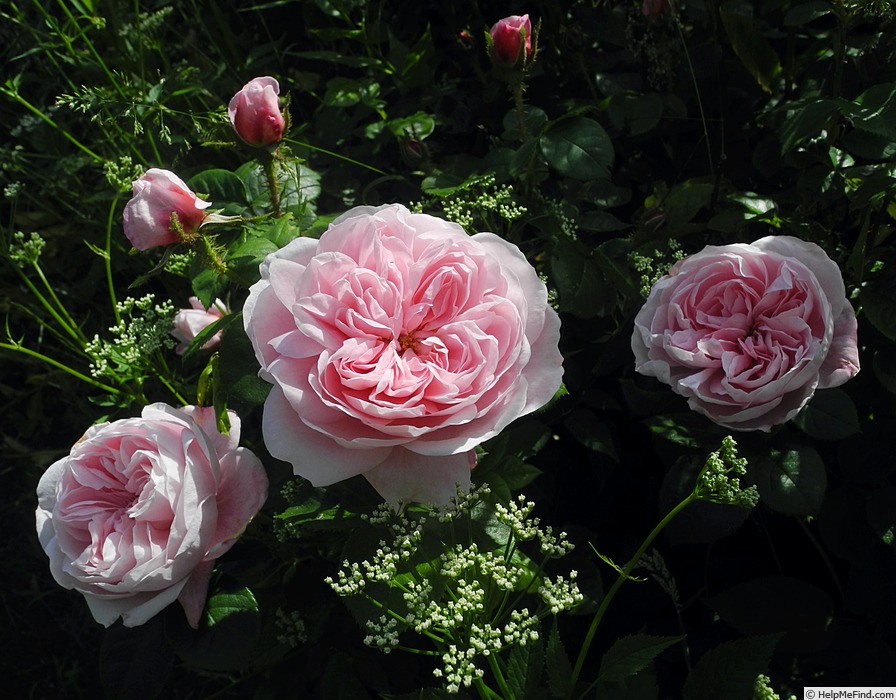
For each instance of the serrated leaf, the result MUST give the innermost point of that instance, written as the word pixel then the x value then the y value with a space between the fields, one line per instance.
pixel 524 668
pixel 730 669
pixel 223 605
pixel 792 481
pixel 830 415
pixel 628 655
pixel 579 148
pixel 558 665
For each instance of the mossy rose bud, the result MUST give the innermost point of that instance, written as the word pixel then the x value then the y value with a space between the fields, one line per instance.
pixel 162 210
pixel 255 113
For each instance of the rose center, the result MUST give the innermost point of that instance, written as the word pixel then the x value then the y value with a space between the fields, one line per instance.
pixel 407 340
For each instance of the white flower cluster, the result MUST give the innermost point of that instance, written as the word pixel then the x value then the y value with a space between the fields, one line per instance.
pixel 459 598
pixel 518 517
pixel 719 480
pixel 143 329
pixel 499 200
pixel 26 252
pixel 383 633
pixel 560 594
pixel 292 628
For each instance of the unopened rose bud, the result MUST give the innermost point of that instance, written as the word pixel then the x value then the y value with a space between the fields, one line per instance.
pixel 162 210
pixel 653 8
pixel 511 41
pixel 255 113
pixel 188 323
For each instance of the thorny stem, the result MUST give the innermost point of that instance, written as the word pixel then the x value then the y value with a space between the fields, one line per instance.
pixel 623 576
pixel 214 257
pixel 271 172
pixel 518 88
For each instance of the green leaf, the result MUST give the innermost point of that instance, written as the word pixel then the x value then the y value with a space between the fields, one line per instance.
pixel 685 200
pixel 238 368
pixel 770 604
pixel 806 12
pixel 729 670
pixel 227 634
pixel 830 415
pixel 578 280
pixel 751 47
pixel 629 655
pixel 246 257
pixel 792 481
pixel 222 188
pixel 634 112
pixel 578 148
pixel 525 664
pixel 558 665
pixel 589 430
pixel 878 299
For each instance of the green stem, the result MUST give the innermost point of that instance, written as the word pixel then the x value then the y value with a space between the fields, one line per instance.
pixel 274 188
pixel 687 56
pixel 499 677
pixel 108 260
pixel 335 155
pixel 214 257
pixel 72 330
pixel 485 691
pixel 70 322
pixel 518 88
pixel 65 368
pixel 623 576
pixel 13 94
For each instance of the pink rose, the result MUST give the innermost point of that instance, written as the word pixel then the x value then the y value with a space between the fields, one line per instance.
pixel 396 344
pixel 653 8
pixel 508 37
pixel 749 332
pixel 255 112
pixel 134 517
pixel 147 216
pixel 188 323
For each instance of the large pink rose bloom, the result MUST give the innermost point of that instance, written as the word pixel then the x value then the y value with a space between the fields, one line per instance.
pixel 136 514
pixel 255 112
pixel 396 344
pixel 147 216
pixel 749 332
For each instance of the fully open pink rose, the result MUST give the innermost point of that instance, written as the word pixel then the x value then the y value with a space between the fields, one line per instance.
pixel 511 40
pixel 188 323
pixel 749 332
pixel 255 112
pixel 396 344
pixel 147 216
pixel 136 514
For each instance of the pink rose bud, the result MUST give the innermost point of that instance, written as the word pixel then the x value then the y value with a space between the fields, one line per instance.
pixel 135 515
pixel 188 323
pixel 653 8
pixel 508 36
pixel 255 113
pixel 147 216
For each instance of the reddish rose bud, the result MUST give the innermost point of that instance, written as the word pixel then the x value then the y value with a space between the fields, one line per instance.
pixel 511 39
pixel 255 113
pixel 653 8
pixel 159 196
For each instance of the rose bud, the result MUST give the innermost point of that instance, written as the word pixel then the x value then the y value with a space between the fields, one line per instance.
pixel 510 40
pixel 188 323
pixel 255 113
pixel 162 210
